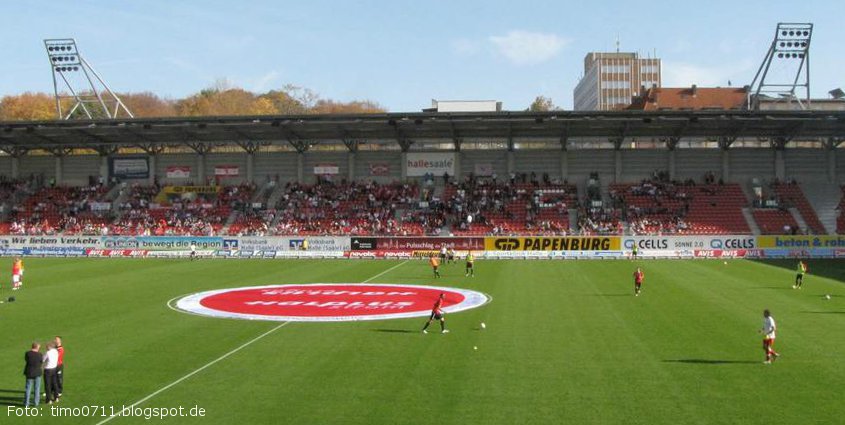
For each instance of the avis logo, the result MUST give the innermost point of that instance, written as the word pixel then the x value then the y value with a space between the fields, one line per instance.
pixel 506 244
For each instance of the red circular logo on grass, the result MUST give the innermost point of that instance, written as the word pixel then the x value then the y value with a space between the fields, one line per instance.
pixel 328 302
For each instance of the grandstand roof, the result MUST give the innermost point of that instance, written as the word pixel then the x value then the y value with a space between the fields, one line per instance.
pixel 400 127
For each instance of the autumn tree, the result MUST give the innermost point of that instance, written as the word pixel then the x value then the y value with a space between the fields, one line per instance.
pixel 542 104
pixel 284 103
pixel 146 104
pixel 214 102
pixel 28 106
pixel 328 106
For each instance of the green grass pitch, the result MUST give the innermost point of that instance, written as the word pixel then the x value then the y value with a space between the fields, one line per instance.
pixel 566 342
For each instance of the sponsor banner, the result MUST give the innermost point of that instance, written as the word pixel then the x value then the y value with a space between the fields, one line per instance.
pixel 54 251
pixel 484 170
pixel 364 244
pixel 645 243
pixel 50 241
pixel 395 255
pixel 177 172
pixel 546 243
pixel 438 163
pixel 116 252
pixel 326 169
pixel 801 241
pixel 310 254
pixel 839 253
pixel 329 302
pixel 129 167
pixel 417 243
pixel 162 243
pixel 291 243
pixel 719 253
pixel 379 169
pixel 226 170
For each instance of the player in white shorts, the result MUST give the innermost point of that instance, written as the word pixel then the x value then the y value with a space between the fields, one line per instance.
pixel 768 331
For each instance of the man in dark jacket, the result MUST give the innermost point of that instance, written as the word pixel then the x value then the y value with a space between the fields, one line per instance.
pixel 32 371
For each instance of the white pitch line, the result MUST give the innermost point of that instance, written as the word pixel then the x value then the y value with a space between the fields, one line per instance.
pixel 385 272
pixel 215 361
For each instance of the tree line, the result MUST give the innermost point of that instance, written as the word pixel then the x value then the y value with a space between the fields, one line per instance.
pixel 219 100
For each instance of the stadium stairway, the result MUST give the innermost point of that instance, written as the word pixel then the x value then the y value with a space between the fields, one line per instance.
pixel 119 199
pixel 573 221
pixel 276 194
pixel 824 197
pixel 233 215
pixel 799 219
pixel 749 218
pixel 114 193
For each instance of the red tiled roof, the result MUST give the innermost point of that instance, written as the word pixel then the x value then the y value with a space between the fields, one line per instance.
pixel 689 98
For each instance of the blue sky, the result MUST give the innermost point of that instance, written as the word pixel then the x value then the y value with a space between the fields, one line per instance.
pixel 402 54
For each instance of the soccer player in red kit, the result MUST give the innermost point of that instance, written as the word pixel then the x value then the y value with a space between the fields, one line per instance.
pixel 638 281
pixel 437 314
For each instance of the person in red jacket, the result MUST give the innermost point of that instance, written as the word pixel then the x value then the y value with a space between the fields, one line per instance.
pixel 437 314
pixel 638 281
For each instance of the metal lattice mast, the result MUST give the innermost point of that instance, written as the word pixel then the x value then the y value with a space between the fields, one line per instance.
pixel 77 86
pixel 790 51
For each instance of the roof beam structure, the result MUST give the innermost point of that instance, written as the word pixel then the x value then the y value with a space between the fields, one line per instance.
pixel 552 128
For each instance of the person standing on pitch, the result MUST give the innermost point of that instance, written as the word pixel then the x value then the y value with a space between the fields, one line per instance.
pixel 799 276
pixel 51 362
pixel 193 251
pixel 634 251
pixel 16 274
pixel 437 314
pixel 638 281
pixel 435 265
pixel 60 369
pixel 470 261
pixel 768 332
pixel 32 372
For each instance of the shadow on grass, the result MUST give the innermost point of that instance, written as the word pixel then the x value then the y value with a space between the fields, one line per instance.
pixel 11 391
pixel 395 331
pixel 11 401
pixel 772 287
pixel 829 268
pixel 823 312
pixel 710 361
pixel 609 295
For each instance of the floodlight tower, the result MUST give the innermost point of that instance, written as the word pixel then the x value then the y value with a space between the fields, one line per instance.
pixel 790 49
pixel 90 97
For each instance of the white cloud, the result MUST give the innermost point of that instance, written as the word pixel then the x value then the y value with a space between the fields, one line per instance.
pixel 263 82
pixel 528 48
pixel 464 47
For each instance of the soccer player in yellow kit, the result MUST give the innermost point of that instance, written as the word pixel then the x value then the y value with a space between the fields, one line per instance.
pixel 470 262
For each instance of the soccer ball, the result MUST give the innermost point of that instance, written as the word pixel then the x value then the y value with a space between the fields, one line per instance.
pixel 474 347
pixel 725 262
pixel 827 297
pixel 483 326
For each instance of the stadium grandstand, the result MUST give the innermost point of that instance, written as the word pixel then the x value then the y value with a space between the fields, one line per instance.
pixel 538 173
